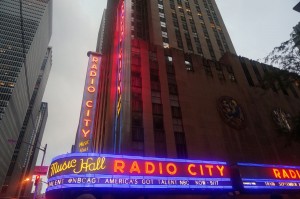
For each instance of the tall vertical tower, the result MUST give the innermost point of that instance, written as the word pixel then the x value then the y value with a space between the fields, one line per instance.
pixel 25 62
pixel 131 107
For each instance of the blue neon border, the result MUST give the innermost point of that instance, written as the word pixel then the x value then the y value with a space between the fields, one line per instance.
pixel 126 186
pixel 135 158
pixel 267 165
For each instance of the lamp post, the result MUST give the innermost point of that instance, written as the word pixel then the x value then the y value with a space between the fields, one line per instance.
pixel 44 149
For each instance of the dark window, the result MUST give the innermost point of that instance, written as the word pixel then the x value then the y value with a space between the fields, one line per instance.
pixel 180 145
pixel 137 105
pixel 137 119
pixel 247 74
pixel 136 81
pixel 258 76
pixel 173 89
pixel 137 134
pixel 157 109
pixel 176 112
pixel 158 122
pixel 160 144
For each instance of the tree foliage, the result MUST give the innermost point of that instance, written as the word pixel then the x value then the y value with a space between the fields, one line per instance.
pixel 287 55
pixel 287 58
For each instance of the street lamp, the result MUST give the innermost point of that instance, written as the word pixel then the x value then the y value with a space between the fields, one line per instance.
pixel 44 153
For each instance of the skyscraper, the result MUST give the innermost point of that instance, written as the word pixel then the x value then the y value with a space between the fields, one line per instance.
pixel 25 62
pixel 150 87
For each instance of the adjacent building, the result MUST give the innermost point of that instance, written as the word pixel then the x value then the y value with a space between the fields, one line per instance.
pixel 25 62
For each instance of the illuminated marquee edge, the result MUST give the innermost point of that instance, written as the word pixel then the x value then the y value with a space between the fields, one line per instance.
pixel 279 180
pixel 157 182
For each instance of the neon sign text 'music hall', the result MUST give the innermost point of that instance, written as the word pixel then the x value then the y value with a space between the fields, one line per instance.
pixel 87 114
pixel 118 171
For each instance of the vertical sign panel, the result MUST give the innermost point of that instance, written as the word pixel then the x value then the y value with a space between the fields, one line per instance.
pixel 121 24
pixel 88 107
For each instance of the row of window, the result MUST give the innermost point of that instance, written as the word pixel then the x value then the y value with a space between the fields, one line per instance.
pixel 178 130
pixel 275 86
pixel 163 24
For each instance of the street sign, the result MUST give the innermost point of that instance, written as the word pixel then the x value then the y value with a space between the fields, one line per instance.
pixel 40 170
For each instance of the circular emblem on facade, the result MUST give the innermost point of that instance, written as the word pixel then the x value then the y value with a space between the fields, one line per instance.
pixel 282 119
pixel 231 112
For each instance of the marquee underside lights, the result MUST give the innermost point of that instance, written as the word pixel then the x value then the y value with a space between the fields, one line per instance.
pixel 88 107
pixel 117 171
pixel 263 176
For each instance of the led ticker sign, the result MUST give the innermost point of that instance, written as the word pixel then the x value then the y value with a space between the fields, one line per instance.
pixel 117 171
pixel 87 114
pixel 263 176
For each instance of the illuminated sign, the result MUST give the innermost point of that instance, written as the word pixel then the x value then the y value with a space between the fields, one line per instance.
pixel 118 171
pixel 121 28
pixel 87 114
pixel 262 176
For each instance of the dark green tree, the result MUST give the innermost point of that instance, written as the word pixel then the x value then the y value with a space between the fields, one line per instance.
pixel 287 58
pixel 287 55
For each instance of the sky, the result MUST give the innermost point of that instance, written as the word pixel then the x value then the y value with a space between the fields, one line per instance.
pixel 255 27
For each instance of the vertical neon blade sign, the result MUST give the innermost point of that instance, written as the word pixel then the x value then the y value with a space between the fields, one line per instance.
pixel 120 55
pixel 88 107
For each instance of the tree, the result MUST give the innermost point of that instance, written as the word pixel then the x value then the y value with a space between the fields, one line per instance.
pixel 287 55
pixel 287 58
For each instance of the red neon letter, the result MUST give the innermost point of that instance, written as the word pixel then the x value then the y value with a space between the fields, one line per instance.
pixel 221 169
pixel 285 174
pixel 94 66
pixel 119 166
pixel 91 89
pixel 95 59
pixel 149 168
pixel 160 168
pixel 209 167
pixel 89 104
pixel 190 171
pixel 276 173
pixel 85 132
pixel 169 165
pixel 86 121
pixel 93 73
pixel 298 174
pixel 135 167
pixel 292 174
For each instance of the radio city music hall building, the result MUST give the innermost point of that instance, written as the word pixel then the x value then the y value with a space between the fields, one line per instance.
pixel 170 111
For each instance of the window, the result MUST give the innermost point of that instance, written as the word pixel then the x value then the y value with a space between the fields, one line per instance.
pixel 160 144
pixel 137 105
pixel 180 144
pixel 156 97
pixel 137 134
pixel 137 119
pixel 176 112
pixel 188 66
pixel 157 109
pixel 246 72
pixel 173 89
pixel 158 123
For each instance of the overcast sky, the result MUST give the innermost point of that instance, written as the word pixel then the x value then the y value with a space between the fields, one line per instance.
pixel 255 27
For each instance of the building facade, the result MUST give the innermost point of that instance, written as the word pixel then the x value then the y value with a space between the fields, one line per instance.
pixel 172 86
pixel 25 62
